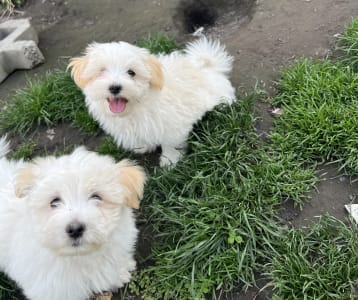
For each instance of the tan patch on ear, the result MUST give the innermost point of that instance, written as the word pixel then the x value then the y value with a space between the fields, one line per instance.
pixel 24 180
pixel 133 178
pixel 77 65
pixel 27 175
pixel 157 79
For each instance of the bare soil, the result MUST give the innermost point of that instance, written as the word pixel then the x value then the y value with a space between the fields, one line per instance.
pixel 263 36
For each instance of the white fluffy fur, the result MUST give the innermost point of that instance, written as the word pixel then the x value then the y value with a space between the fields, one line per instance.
pixel 36 251
pixel 192 82
pixel 4 147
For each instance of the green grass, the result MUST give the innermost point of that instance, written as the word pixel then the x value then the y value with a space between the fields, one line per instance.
pixel 319 262
pixel 159 43
pixel 319 124
pixel 214 215
pixel 24 150
pixel 109 147
pixel 319 100
pixel 349 44
pixel 50 101
pixel 320 121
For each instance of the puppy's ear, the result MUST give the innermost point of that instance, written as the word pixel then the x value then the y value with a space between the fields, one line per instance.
pixel 27 176
pixel 133 178
pixel 24 180
pixel 157 79
pixel 77 65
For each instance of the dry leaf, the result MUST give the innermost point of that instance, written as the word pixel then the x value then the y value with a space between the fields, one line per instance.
pixel 50 134
pixel 277 111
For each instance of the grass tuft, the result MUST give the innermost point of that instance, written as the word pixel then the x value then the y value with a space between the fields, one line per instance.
pixel 159 43
pixel 50 101
pixel 319 262
pixel 24 151
pixel 109 147
pixel 320 120
pixel 349 44
pixel 319 124
pixel 214 215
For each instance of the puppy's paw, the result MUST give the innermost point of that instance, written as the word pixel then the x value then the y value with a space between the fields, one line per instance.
pixel 131 265
pixel 124 277
pixel 166 162
pixel 169 157
pixel 125 272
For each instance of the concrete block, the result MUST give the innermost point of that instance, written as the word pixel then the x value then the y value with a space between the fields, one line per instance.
pixel 18 47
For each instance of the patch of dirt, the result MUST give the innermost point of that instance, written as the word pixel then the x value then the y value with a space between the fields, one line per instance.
pixel 59 138
pixel 263 36
pixel 331 194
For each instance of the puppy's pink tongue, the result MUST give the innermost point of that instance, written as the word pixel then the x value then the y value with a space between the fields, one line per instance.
pixel 117 105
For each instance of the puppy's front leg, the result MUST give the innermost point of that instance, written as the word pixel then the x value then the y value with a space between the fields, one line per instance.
pixel 171 155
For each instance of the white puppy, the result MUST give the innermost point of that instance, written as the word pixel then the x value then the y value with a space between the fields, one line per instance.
pixel 66 224
pixel 144 101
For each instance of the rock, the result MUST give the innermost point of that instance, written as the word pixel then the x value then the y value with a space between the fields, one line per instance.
pixel 18 47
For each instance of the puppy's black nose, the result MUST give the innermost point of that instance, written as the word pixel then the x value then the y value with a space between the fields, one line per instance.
pixel 115 89
pixel 75 230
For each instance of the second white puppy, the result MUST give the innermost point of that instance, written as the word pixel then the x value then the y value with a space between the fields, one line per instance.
pixel 66 224
pixel 144 101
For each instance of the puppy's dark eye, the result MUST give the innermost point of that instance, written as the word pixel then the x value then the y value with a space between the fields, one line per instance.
pixel 55 202
pixel 131 73
pixel 96 197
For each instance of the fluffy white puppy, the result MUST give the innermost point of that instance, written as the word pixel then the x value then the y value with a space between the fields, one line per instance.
pixel 66 224
pixel 144 101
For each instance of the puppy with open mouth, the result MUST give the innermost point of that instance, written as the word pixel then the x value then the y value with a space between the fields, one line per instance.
pixel 67 229
pixel 145 101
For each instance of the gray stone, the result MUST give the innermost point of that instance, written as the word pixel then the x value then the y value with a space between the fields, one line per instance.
pixel 18 47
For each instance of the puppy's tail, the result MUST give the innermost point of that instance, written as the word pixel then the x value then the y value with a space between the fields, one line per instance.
pixel 4 146
pixel 210 54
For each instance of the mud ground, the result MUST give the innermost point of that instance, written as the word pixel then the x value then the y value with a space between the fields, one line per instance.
pixel 263 36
